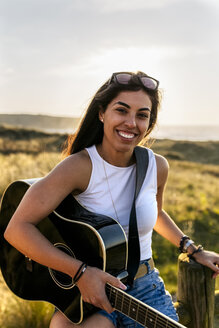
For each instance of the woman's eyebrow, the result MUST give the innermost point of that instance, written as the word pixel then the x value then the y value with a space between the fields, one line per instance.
pixel 122 103
pixel 127 106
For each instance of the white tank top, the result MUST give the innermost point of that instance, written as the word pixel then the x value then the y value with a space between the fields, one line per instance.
pixel 121 181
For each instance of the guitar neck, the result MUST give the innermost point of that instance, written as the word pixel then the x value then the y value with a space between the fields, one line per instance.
pixel 138 311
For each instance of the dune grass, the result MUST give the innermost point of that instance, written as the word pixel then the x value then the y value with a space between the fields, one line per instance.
pixel 15 312
pixel 24 166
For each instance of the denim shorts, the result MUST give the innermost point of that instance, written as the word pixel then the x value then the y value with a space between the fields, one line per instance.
pixel 149 289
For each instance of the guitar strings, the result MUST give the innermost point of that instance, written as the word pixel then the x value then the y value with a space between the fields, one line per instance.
pixel 134 315
pixel 148 316
pixel 125 301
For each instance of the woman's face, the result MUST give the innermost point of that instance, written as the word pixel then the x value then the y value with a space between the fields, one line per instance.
pixel 126 120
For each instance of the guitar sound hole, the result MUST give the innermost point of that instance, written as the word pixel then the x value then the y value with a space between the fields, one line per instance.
pixel 61 279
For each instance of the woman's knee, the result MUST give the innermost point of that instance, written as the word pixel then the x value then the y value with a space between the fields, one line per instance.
pixel 60 321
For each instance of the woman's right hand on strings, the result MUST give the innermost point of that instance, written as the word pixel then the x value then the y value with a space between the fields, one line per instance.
pixel 92 287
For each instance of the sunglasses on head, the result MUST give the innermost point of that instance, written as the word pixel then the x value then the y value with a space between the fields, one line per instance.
pixel 124 78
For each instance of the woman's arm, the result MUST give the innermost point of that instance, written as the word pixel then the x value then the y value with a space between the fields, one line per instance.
pixel 167 228
pixel 41 199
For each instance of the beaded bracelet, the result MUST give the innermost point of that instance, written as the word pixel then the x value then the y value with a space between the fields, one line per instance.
pixel 197 250
pixel 181 244
pixel 79 273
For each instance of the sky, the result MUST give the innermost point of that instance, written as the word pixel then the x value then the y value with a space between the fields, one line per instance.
pixel 55 54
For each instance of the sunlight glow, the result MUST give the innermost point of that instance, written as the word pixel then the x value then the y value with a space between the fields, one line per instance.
pixel 127 5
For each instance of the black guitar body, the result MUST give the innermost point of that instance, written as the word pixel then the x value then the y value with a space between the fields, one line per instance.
pixel 95 239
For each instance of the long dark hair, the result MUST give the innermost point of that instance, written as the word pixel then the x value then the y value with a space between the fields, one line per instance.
pixel 90 130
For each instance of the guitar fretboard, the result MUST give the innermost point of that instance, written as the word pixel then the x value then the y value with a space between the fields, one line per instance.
pixel 138 311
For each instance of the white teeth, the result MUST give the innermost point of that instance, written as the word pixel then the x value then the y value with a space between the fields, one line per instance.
pixel 126 135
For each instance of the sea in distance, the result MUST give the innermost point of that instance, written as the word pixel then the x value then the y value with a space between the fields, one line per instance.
pixel 187 132
pixel 175 132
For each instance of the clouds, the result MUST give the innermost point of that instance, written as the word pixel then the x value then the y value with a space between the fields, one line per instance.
pixel 93 24
pixel 57 52
pixel 124 5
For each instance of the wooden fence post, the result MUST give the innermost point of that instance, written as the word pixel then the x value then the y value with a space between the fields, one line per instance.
pixel 196 290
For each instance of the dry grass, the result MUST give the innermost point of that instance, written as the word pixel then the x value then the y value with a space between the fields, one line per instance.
pixel 24 166
pixel 15 312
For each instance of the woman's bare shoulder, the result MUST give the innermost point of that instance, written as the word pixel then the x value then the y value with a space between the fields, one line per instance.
pixel 74 171
pixel 161 161
pixel 162 169
pixel 70 175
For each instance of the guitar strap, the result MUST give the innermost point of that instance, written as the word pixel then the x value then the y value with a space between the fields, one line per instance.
pixel 142 159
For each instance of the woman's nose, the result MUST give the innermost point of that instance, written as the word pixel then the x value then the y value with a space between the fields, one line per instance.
pixel 130 121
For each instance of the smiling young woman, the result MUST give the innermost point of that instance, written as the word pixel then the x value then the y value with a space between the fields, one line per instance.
pixel 99 170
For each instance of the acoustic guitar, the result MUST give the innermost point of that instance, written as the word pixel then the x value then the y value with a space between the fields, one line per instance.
pixel 96 239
